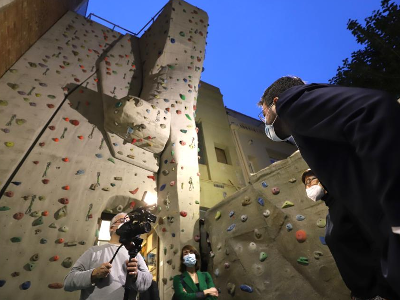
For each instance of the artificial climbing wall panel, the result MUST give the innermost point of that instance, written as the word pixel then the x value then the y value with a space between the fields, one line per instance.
pixel 172 51
pixel 49 211
pixel 267 240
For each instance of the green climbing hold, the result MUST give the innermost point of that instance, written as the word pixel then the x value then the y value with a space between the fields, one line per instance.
pixel 263 256
pixel 14 86
pixel 41 198
pixel 4 208
pixel 9 144
pixel 183 97
pixel 35 214
pixel 112 160
pixel 30 266
pixel 67 263
pixel 303 260
pixel 217 215
pixel 171 67
pixel 62 212
pixel 13 71
pixel 3 103
pixel 33 65
pixel 183 130
pixel 20 121
pixel 197 202
pixel 287 204
pixel 187 116
pixel 118 104
pixel 16 239
pixel 53 225
pixel 51 96
pixel 38 221
pixel 172 152
pixel 181 33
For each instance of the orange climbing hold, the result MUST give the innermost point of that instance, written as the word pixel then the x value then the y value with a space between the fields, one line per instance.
pixel 301 236
pixel 66 187
pixel 134 191
pixel 65 159
pixel 56 140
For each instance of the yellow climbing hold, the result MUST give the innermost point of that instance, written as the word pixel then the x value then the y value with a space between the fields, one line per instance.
pixel 287 204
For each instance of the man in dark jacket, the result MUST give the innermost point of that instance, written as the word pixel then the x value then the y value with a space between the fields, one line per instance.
pixel 350 138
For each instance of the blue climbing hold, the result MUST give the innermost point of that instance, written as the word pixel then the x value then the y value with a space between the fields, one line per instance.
pixel 231 213
pixel 166 100
pixel 80 172
pixel 322 239
pixel 289 227
pixel 230 228
pixel 184 79
pixel 173 234
pixel 16 182
pixel 43 241
pixel 26 285
pixel 99 155
pixel 2 283
pixel 260 201
pixel 115 144
pixel 162 187
pixel 300 217
pixel 148 111
pixel 172 41
pixel 264 184
pixel 246 288
pixel 166 161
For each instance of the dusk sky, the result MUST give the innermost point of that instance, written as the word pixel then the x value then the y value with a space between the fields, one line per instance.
pixel 252 43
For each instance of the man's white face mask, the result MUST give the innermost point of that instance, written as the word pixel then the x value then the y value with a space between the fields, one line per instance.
pixel 315 192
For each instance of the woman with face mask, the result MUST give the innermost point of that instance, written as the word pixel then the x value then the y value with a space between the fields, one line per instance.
pixel 192 283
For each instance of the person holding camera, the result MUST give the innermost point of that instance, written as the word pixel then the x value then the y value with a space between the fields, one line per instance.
pixel 99 279
pixel 192 283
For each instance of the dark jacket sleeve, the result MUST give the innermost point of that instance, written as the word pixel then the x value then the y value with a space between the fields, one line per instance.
pixel 367 120
pixel 180 294
pixel 210 284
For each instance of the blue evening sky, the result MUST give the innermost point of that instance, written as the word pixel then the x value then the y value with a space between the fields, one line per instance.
pixel 252 43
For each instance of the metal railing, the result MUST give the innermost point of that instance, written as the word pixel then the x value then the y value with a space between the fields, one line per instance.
pixel 89 17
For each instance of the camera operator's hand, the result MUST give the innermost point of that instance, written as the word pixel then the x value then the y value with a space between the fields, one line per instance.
pixel 101 272
pixel 132 267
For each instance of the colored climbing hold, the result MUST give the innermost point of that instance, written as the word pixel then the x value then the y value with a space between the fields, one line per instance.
pixel 2 283
pixel 99 155
pixel 183 213
pixel 35 257
pixel 292 180
pixel 217 215
pixel 257 234
pixel 56 285
pixel 321 223
pixel 246 288
pixel 67 263
pixel 111 160
pixel 231 214
pixel 134 191
pixel 9 194
pixel 187 116
pixel 301 236
pixel 16 183
pixel 162 187
pixel 317 254
pixel 246 201
pixel 53 225
pixel 275 190
pixel 300 217
pixel 322 240
pixel 303 260
pixel 260 201
pixel 26 285
pixel 183 97
pixel 263 256
pixel 74 122
pixel 63 201
pixel 266 213
pixel 230 228
pixel 38 221
pixel 64 229
pixel 46 181
pixel 287 204
pixel 9 144
pixel 60 241
pixel 16 239
pixel 43 241
pixel 62 212
pixel 289 227
pixel 243 218
pixel 4 208
pixel 264 184
pixel 66 187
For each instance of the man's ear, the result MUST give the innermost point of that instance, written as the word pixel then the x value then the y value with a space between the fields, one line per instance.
pixel 275 100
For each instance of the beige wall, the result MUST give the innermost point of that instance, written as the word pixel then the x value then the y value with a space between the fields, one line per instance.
pixel 254 149
pixel 215 128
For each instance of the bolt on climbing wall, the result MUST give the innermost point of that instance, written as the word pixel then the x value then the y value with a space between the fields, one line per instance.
pixel 267 240
pixel 70 176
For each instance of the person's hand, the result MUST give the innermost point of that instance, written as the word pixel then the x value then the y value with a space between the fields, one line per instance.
pixel 211 292
pixel 132 267
pixel 102 271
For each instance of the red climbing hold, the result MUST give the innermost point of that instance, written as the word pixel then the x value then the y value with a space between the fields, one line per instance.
pixel 134 191
pixel 183 213
pixel 151 177
pixel 45 181
pixel 301 236
pixel 60 241
pixel 66 187
pixel 64 201
pixel 80 137
pixel 18 216
pixel 35 162
pixel 132 205
pixel 52 127
pixel 9 194
pixel 66 119
pixel 65 159
pixel 50 105
pixel 74 122
pixel 56 140
pixel 45 213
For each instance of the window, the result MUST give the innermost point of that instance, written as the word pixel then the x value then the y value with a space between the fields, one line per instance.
pixel 221 155
pixel 201 143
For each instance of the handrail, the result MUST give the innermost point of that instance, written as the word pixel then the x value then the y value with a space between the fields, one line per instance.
pixel 115 25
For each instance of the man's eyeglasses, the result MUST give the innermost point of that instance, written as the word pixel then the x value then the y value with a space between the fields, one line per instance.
pixel 309 180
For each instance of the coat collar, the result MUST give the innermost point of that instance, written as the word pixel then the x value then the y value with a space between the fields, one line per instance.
pixel 191 284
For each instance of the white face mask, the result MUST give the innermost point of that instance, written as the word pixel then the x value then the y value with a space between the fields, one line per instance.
pixel 189 260
pixel 270 132
pixel 315 192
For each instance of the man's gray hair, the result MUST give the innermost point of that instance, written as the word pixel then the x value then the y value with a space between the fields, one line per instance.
pixel 278 87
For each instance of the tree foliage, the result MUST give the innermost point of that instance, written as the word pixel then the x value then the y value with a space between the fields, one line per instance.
pixel 376 66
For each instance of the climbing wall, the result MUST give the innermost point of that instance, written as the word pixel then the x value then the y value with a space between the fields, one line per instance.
pixel 172 52
pixel 51 110
pixel 91 120
pixel 267 240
